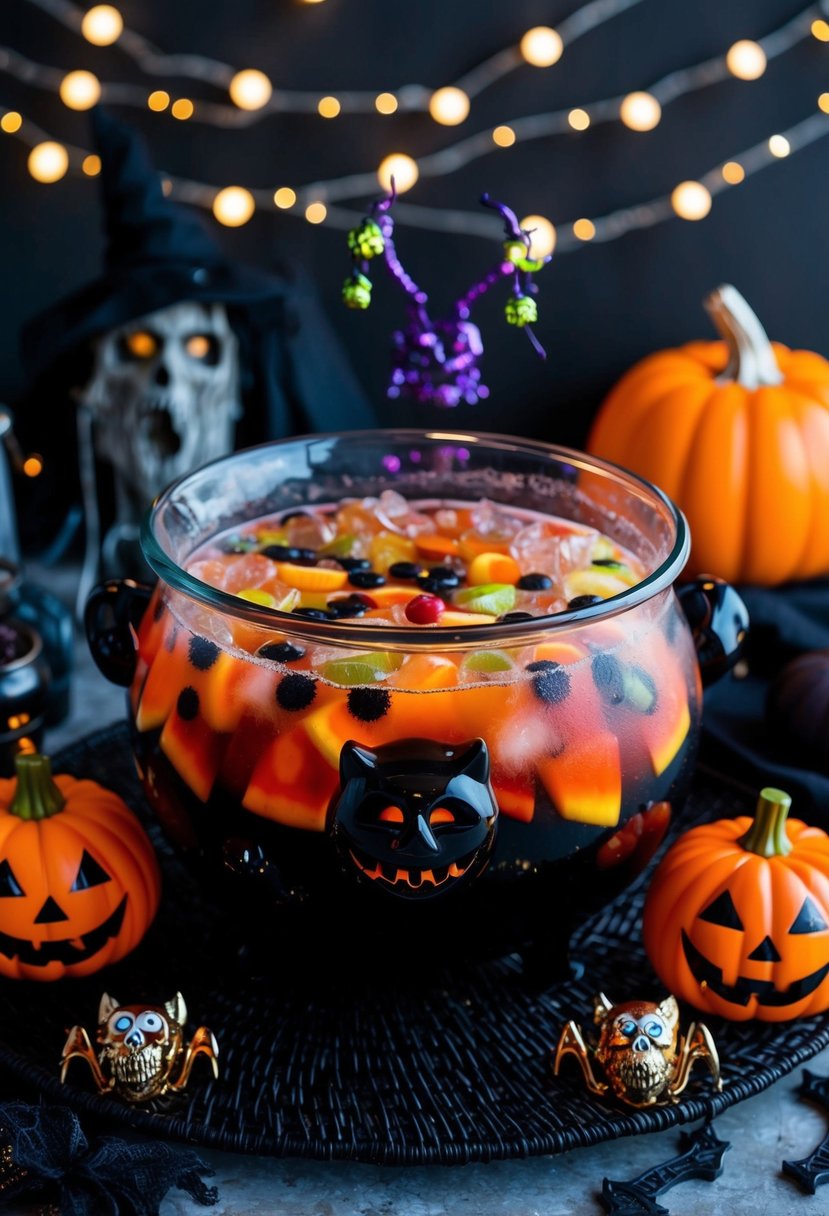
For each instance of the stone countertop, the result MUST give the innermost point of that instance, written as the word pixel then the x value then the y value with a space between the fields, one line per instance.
pixel 763 1131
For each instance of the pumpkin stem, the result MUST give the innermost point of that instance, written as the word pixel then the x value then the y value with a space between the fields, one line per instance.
pixel 37 796
pixel 751 359
pixel 767 835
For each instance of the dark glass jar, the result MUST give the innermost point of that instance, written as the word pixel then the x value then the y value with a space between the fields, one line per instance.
pixel 24 685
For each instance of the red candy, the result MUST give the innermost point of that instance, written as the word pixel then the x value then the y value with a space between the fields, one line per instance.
pixel 425 609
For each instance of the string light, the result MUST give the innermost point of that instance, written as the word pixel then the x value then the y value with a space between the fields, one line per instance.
pixel 579 119
pixel 91 165
pixel 11 122
pixel 542 235
pixel 182 109
pixel 158 100
pixel 640 111
pixel 32 467
pixel 385 103
pixel 102 25
pixel 48 161
pixel 584 229
pixel 449 106
pixel 284 197
pixel 691 200
pixel 733 172
pixel 329 107
pixel 250 89
pixel 503 136
pixel 746 60
pixel 822 101
pixel 402 168
pixel 541 46
pixel 315 213
pixel 233 206
pixel 779 146
pixel 80 90
pixel 820 30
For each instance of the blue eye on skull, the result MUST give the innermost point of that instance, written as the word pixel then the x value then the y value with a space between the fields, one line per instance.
pixel 123 1023
pixel 149 1021
pixel 654 1029
pixel 628 1028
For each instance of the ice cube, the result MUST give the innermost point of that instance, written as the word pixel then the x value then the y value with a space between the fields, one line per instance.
pixel 249 570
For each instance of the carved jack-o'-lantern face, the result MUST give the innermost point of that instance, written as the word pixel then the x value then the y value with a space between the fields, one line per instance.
pixel 415 818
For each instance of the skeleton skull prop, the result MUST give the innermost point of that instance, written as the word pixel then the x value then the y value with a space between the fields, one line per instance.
pixel 164 398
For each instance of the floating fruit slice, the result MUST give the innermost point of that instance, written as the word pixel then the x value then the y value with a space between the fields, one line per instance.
pixel 433 547
pixel 392 593
pixel 165 680
pixel 486 662
pixel 454 619
pixel 311 578
pixel 493 598
pixel 290 784
pixel 492 568
pixel 386 548
pixel 340 546
pixel 422 672
pixel 155 623
pixel 361 668
pixel 255 595
pixel 665 732
pixel 558 652
pixel 472 543
pixel 515 795
pixel 585 780
pixel 594 581
pixel 192 746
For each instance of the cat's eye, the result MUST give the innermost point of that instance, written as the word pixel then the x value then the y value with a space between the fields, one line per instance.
pixel 391 814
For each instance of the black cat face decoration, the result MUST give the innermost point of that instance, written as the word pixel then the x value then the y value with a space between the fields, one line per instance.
pixel 415 818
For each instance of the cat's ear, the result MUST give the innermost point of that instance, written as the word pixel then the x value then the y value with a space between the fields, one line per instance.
pixel 356 761
pixel 473 761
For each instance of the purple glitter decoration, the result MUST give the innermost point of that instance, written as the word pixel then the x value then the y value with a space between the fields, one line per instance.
pixel 436 361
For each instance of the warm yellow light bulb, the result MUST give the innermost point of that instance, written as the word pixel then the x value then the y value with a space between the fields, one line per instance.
pixel 542 235
pixel 284 197
pixel 541 46
pixel 449 106
pixel 11 122
pixel 182 109
pixel 80 90
pixel 584 229
pixel 233 206
pixel 779 146
pixel 250 89
pixel 48 161
pixel 746 60
pixel 158 100
pixel 91 165
pixel 503 136
pixel 402 168
pixel 822 101
pixel 385 103
pixel 733 172
pixel 640 111
pixel 691 200
pixel 102 25
pixel 820 30
pixel 315 213
pixel 579 119
pixel 329 107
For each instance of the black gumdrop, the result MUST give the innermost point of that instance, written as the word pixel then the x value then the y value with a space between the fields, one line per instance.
pixel 405 570
pixel 353 563
pixel 608 678
pixel 551 682
pixel 281 652
pixel 296 691
pixel 188 704
pixel 365 578
pixel 509 617
pixel 369 704
pixel 203 653
pixel 282 553
pixel 314 614
pixel 584 601
pixel 534 582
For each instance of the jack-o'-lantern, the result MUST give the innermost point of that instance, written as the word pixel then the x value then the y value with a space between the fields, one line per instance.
pixel 79 882
pixel 415 818
pixel 737 916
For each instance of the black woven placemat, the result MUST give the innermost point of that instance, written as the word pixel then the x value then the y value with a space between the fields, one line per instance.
pixel 450 1071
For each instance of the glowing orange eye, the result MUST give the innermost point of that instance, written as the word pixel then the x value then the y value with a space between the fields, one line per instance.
pixel 198 346
pixel 441 815
pixel 391 814
pixel 140 344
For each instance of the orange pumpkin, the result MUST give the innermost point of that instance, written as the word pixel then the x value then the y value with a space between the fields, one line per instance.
pixel 79 882
pixel 737 916
pixel 737 433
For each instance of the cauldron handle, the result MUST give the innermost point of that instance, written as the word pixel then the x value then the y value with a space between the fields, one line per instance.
pixel 111 618
pixel 719 624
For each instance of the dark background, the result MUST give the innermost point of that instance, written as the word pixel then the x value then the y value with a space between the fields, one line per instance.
pixel 601 307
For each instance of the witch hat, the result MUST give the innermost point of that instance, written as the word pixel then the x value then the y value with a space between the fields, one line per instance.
pixel 157 253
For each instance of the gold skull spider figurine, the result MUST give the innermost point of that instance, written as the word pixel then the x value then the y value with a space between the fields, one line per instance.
pixel 640 1051
pixel 139 1048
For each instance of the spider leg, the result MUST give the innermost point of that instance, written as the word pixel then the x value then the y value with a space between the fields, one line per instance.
pixel 203 1043
pixel 698 1045
pixel 78 1047
pixel 571 1043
